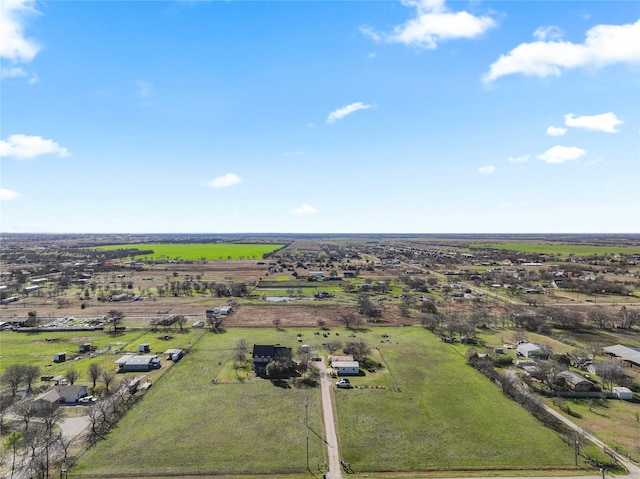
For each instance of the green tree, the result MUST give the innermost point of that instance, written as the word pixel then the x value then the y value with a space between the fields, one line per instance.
pixel 12 443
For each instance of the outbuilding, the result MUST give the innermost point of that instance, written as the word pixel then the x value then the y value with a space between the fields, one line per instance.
pixel 532 350
pixel 137 363
pixel 59 357
pixel 622 393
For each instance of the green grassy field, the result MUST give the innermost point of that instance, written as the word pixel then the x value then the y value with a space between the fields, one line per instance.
pixel 558 249
pixel 444 416
pixel 37 349
pixel 198 251
pixel 187 424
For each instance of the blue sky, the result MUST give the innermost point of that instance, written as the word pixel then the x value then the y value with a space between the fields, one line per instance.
pixel 320 117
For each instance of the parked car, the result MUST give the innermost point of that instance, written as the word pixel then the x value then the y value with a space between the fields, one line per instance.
pixel 86 400
pixel 344 383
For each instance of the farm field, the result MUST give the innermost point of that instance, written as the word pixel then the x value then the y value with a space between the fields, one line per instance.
pixel 558 249
pixel 444 416
pixel 197 251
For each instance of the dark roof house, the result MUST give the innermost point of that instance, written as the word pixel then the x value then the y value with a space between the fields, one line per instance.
pixel 263 354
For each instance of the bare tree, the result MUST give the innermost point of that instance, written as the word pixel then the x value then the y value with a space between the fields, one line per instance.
pixel 108 377
pixel 29 374
pixel 12 377
pixel 72 376
pixel 115 317
pixel 94 372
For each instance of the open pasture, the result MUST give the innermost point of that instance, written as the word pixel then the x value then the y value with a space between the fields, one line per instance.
pixel 197 251
pixel 203 418
pixel 420 409
pixel 443 415
pixel 558 249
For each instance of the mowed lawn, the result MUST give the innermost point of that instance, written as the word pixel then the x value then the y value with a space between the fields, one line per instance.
pixel 445 415
pixel 187 424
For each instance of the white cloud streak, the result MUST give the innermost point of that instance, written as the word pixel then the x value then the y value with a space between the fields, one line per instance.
pixel 487 170
pixel 347 110
pixel 25 147
pixel 605 122
pixel 433 24
pixel 556 131
pixel 561 154
pixel 224 181
pixel 519 159
pixel 604 45
pixel 305 210
pixel 8 195
pixel 14 45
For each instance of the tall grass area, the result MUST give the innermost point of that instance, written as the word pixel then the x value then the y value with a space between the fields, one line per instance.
pixel 188 424
pixel 445 416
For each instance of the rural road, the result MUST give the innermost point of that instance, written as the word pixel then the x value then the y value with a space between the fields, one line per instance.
pixel 329 425
pixel 333 451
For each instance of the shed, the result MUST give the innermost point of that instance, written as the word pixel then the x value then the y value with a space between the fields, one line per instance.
pixel 84 348
pixel 532 350
pixel 346 368
pixel 575 381
pixel 59 357
pixel 174 354
pixel 622 393
pixel 131 363
pixel 144 348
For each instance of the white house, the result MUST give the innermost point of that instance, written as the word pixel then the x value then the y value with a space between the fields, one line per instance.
pixel 346 368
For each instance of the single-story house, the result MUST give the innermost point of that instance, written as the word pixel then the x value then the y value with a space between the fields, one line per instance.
pixel 346 368
pixel 132 362
pixel 345 357
pixel 532 350
pixel 575 382
pixel 263 354
pixel 56 395
pixel 622 393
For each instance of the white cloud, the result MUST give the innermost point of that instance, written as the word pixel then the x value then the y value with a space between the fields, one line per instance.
pixel 14 45
pixel 606 122
pixel 519 159
pixel 26 146
pixel 8 195
pixel 347 110
pixel 556 131
pixel 305 210
pixel 487 170
pixel 604 45
pixel 561 154
pixel 548 33
pixel 432 24
pixel 145 88
pixel 224 181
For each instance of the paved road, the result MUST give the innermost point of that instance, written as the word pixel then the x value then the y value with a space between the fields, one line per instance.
pixel 329 426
